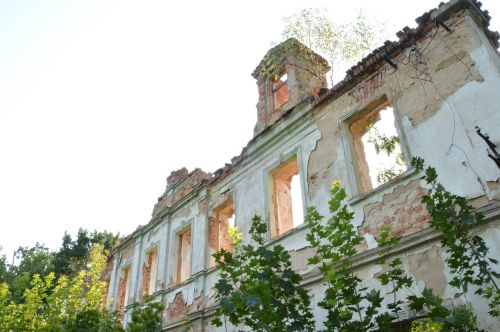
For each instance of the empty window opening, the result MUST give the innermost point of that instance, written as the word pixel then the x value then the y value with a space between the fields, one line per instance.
pixel 123 289
pixel 377 148
pixel 184 256
pixel 286 210
pixel 280 90
pixel 221 221
pixel 297 208
pixel 149 270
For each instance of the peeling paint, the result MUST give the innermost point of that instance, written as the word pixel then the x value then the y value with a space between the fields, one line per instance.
pixel 428 266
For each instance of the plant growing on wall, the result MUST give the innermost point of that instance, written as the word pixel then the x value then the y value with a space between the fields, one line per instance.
pixel 258 288
pixel 147 316
pixel 340 44
pixel 468 260
pixel 468 255
pixel 250 274
pixel 350 305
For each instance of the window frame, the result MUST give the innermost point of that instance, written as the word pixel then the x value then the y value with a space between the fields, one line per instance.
pixel 268 185
pixel 152 278
pixel 345 122
pixel 178 257
pixel 215 213
pixel 125 270
pixel 276 86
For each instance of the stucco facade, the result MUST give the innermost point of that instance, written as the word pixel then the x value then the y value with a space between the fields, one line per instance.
pixel 441 80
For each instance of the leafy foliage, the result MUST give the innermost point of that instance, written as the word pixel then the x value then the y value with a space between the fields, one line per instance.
pixel 147 316
pixel 392 147
pixel 35 260
pixel 63 304
pixel 426 325
pixel 3 267
pixel 350 305
pixel 72 304
pixel 244 286
pixel 382 143
pixel 395 277
pixel 74 254
pixel 468 255
pixel 72 257
pixel 258 288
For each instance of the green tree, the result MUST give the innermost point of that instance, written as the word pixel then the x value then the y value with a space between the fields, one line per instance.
pixel 258 288
pixel 73 304
pixel 63 304
pixel 37 260
pixel 72 257
pixel 340 44
pixel 74 254
pixel 4 268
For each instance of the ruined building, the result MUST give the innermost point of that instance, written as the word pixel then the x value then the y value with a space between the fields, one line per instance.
pixel 428 91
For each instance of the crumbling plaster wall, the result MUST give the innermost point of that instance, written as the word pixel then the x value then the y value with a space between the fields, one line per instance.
pixel 248 185
pixel 435 120
pixel 457 151
pixel 425 264
pixel 162 234
pixel 154 239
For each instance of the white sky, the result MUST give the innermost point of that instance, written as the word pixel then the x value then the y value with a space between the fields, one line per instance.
pixel 100 100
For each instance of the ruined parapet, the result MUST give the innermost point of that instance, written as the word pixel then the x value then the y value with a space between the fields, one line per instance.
pixel 179 184
pixel 407 37
pixel 176 176
pixel 288 74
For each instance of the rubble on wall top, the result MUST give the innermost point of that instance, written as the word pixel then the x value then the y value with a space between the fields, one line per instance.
pixel 176 176
pixel 280 51
pixel 407 37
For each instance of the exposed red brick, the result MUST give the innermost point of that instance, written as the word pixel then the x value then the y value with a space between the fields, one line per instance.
pixel 178 308
pixel 406 37
pixel 402 210
pixel 180 185
pixel 123 285
pixel 176 176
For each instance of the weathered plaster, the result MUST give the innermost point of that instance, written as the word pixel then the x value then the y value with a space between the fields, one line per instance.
pixel 428 266
pixel 435 119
